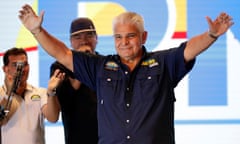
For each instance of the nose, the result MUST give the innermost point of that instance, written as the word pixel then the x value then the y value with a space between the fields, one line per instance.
pixel 125 41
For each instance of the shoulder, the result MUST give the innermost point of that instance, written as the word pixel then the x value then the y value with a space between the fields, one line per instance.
pixel 33 89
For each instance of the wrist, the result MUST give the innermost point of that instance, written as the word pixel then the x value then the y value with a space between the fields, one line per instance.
pixel 51 93
pixel 212 35
pixel 36 31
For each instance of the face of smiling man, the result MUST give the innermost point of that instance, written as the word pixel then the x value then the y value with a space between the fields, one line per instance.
pixel 128 42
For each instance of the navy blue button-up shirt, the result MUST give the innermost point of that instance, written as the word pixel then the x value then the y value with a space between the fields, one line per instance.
pixel 134 107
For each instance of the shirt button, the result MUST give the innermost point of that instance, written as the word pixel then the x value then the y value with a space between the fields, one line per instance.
pixel 126 72
pixel 127 89
pixel 128 137
pixel 109 79
pixel 149 77
pixel 127 121
pixel 128 105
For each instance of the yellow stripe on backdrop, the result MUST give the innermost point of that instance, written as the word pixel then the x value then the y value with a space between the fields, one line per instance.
pixel 99 13
pixel 25 38
pixel 181 11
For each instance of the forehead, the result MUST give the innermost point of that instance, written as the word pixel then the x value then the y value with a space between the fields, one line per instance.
pixel 125 28
pixel 14 58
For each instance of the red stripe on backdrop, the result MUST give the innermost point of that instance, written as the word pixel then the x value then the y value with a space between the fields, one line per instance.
pixel 179 35
pixel 28 49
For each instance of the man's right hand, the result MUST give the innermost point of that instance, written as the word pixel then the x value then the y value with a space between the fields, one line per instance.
pixel 30 20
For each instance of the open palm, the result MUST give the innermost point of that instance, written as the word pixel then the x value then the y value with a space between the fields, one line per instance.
pixel 220 25
pixel 29 18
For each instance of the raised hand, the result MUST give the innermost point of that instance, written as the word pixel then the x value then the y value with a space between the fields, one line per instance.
pixel 30 20
pixel 55 79
pixel 220 25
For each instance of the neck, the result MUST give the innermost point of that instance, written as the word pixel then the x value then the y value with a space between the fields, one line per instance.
pixel 131 63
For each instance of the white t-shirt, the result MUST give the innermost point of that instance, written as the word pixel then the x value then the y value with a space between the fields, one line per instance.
pixel 26 126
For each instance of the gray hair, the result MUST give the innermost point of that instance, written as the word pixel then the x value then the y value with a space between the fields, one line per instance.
pixel 129 18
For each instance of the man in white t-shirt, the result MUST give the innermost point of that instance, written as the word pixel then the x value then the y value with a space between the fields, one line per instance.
pixel 28 105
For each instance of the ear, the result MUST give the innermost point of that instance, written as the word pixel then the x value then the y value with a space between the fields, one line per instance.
pixel 96 39
pixel 144 37
pixel 4 68
pixel 96 35
pixel 70 39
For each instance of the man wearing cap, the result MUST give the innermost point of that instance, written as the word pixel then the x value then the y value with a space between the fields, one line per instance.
pixel 78 103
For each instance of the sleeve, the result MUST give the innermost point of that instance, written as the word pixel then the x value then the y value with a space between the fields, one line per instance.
pixel 86 67
pixel 176 64
pixel 43 94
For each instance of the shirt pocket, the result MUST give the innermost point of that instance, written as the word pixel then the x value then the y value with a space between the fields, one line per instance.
pixel 149 84
pixel 110 88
